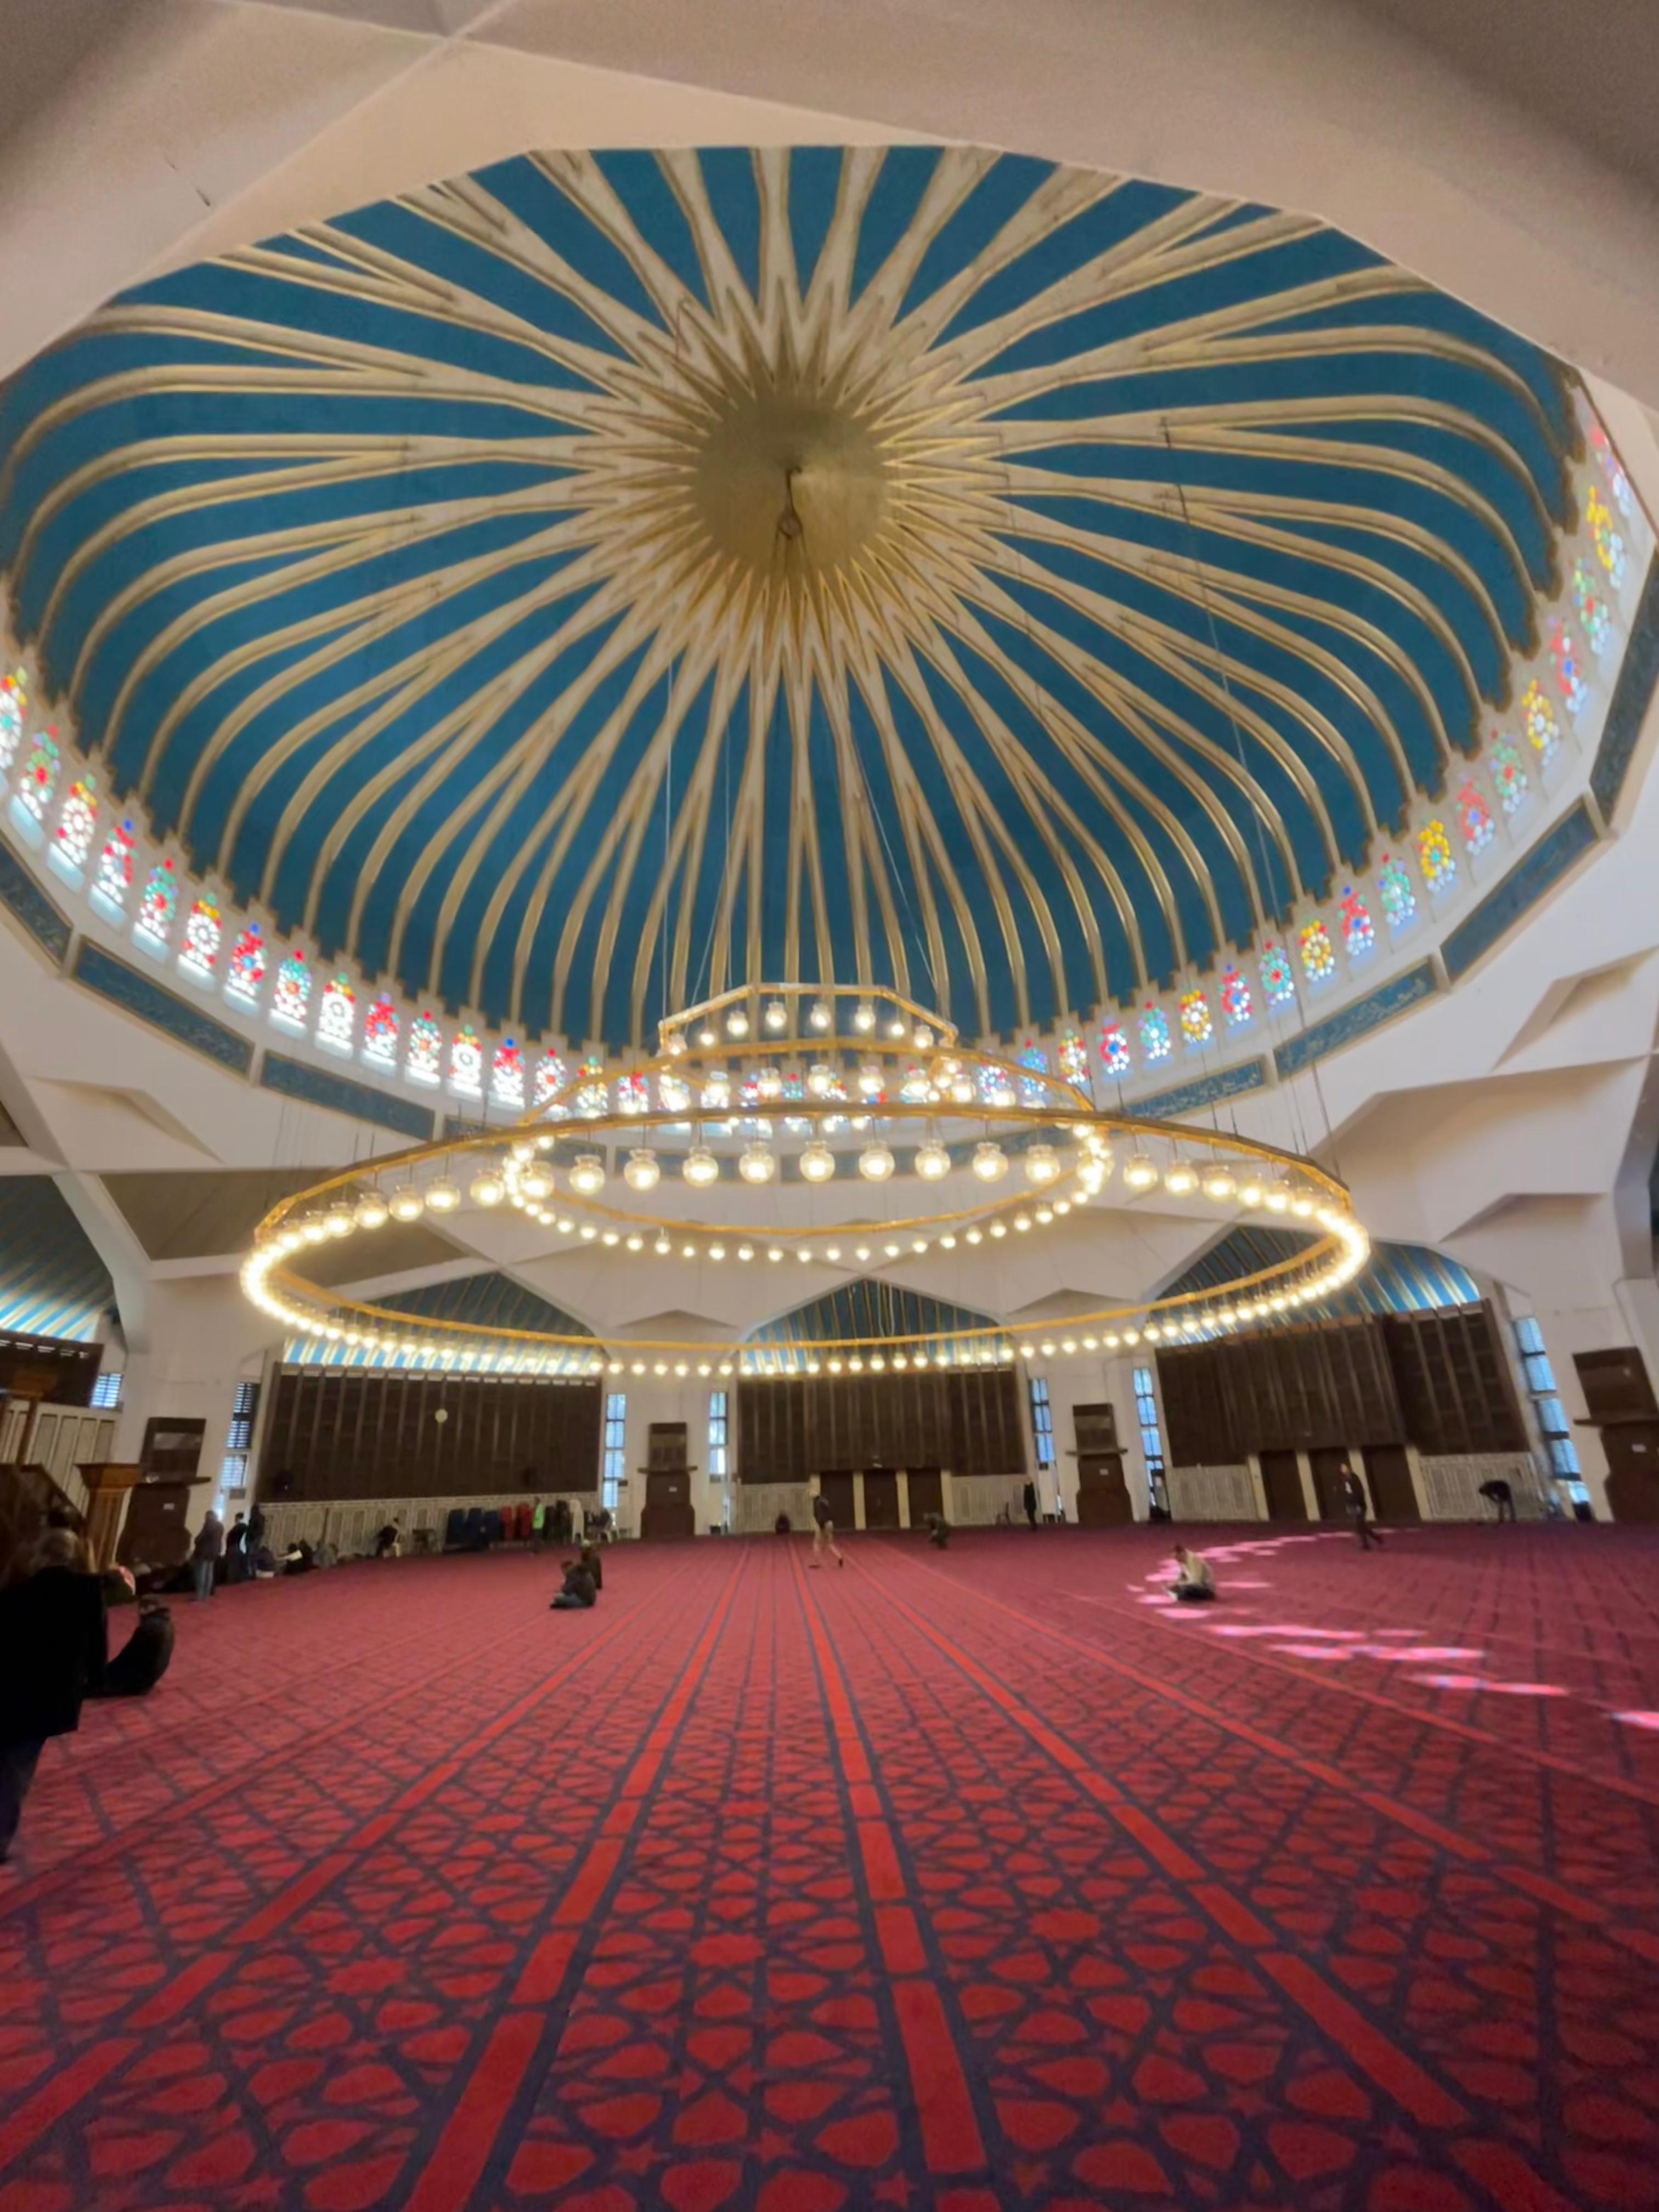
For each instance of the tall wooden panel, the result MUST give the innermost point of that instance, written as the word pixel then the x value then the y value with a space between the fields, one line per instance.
pixel 338 1433
pixel 788 1431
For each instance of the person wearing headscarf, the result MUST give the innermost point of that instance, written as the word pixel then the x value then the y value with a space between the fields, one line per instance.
pixel 52 1654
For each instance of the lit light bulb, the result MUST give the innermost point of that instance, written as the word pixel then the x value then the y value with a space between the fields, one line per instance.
pixel 990 1163
pixel 372 1210
pixel 1250 1193
pixel 864 1017
pixel 817 1163
pixel 442 1196
pixel 341 1220
pixel 587 1174
pixel 1041 1164
pixel 921 1036
pixel 1180 1178
pixel 820 1017
pixel 737 1023
pixel 932 1160
pixel 745 1251
pixel 1219 1183
pixel 875 1162
pixel 487 1188
pixel 756 1164
pixel 700 1168
pixel 662 1247
pixel 895 1027
pixel 776 1015
pixel 1279 1198
pixel 537 1181
pixel 643 1170
pixel 1140 1173
pixel 676 1047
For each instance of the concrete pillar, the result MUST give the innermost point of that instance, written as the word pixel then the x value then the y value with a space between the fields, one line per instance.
pixel 903 1498
pixel 1309 1495
pixel 858 1500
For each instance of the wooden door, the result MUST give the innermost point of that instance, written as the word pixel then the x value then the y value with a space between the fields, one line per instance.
pixel 154 1534
pixel 668 1508
pixel 1633 1450
pixel 926 1494
pixel 1103 1497
pixel 1281 1478
pixel 1389 1478
pixel 1327 1467
pixel 880 1498
pixel 836 1490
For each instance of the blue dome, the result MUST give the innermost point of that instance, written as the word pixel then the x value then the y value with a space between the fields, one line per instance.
pixel 573 588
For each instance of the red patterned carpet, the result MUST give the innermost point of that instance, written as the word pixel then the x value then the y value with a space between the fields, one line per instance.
pixel 958 1882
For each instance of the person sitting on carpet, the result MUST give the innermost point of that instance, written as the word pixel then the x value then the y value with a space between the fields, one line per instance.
pixel 143 1660
pixel 1500 1495
pixel 582 1576
pixel 939 1530
pixel 389 1542
pixel 52 1652
pixel 299 1559
pixel 1194 1584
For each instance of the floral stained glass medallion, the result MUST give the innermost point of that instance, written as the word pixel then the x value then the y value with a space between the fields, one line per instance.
pixel 337 1015
pixel 1359 932
pixel 1236 1007
pixel 1154 1035
pixel 423 1061
pixel 78 823
pixel 1313 942
pixel 245 971
pixel 1114 1056
pixel 39 779
pixel 1435 857
pixel 466 1062
pixel 507 1074
pixel 291 994
pixel 1474 817
pixel 160 902
pixel 1195 1017
pixel 1395 894
pixel 1610 545
pixel 550 1077
pixel 114 877
pixel 1073 1057
pixel 1569 669
pixel 1538 719
pixel 204 928
pixel 1618 482
pixel 1277 984
pixel 1508 776
pixel 14 706
pixel 380 1029
pixel 1594 611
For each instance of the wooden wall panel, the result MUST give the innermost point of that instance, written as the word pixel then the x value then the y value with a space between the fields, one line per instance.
pixel 790 1430
pixel 1438 1380
pixel 370 1432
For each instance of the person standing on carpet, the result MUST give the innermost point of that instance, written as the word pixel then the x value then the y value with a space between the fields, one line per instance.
pixel 236 1549
pixel 206 1554
pixel 52 1652
pixel 1031 1502
pixel 823 1532
pixel 1194 1584
pixel 1358 1507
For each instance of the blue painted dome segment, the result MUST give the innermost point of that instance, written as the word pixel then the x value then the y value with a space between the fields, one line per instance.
pixel 400 568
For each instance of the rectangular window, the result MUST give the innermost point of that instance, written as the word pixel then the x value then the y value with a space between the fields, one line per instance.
pixel 238 1440
pixel 717 1435
pixel 613 1468
pixel 1042 1421
pixel 107 1390
pixel 1152 1442
pixel 1548 1411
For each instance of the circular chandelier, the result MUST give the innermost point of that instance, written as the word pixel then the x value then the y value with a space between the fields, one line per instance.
pixel 843 1130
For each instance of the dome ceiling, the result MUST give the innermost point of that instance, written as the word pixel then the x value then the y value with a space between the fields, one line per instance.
pixel 575 586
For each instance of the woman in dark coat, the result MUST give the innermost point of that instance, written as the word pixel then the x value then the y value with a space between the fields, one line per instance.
pixel 52 1652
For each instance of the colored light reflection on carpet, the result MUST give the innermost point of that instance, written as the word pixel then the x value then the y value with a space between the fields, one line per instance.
pixel 951 1881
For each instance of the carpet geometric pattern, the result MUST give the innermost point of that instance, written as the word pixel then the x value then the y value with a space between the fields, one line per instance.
pixel 972 1881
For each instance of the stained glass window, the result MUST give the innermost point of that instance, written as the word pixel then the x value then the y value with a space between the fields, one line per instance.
pixel 1114 1049
pixel 204 929
pixel 14 706
pixel 1594 611
pixel 1073 1057
pixel 114 879
pixel 1195 1017
pixel 1359 936
pixel 1434 856
pixel 1569 669
pixel 1154 1034
pixel 1474 817
pixel 38 778
pixel 423 1061
pixel 1610 545
pixel 1618 482
pixel 1032 1056
pixel 674 1093
pixel 507 1074
pixel 1278 986
pixel 336 1015
pixel 1236 1007
pixel 379 1032
pixel 1318 957
pixel 1394 893
pixel 78 825
pixel 291 993
pixel 466 1062
pixel 996 1086
pixel 590 1098
pixel 551 1075
pixel 159 902
pixel 1538 719
pixel 246 969
pixel 633 1095
pixel 1509 777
